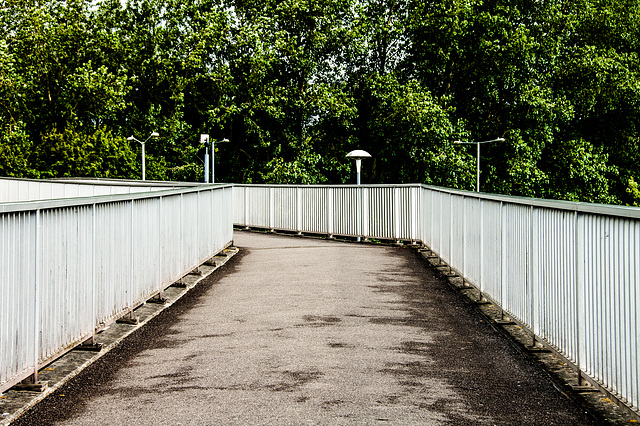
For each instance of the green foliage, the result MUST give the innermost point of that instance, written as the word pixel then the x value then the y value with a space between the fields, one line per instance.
pixel 634 192
pixel 296 84
pixel 77 154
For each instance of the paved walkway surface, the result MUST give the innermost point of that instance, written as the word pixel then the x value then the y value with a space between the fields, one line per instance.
pixel 304 331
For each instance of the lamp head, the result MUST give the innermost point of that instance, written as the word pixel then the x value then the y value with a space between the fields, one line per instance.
pixel 358 154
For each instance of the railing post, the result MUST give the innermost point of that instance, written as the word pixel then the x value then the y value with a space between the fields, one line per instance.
pixel 330 212
pixel 182 262
pixel 93 274
pixel 396 214
pixel 131 260
pixel 414 193
pixel 503 261
pixel 450 254
pixel 580 296
pixel 246 206
pixel 464 239
pixel 481 272
pixel 36 304
pixel 534 254
pixel 271 209
pixel 299 210
pixel 160 245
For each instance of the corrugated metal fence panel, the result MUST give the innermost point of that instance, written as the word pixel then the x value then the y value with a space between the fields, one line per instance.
pixel 113 259
pixel 171 238
pixel 284 210
pixel 557 298
pixel 314 202
pixel 257 206
pixel 436 225
pixel 205 225
pixel 146 248
pixel 190 233
pixel 65 278
pixel 472 228
pixel 491 250
pixel 426 218
pixel 239 205
pixel 381 212
pixel 611 283
pixel 457 229
pixel 17 287
pixel 345 211
pixel 407 201
pixel 516 247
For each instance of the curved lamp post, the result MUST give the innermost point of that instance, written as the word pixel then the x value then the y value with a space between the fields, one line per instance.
pixel 358 155
pixel 478 157
pixel 152 135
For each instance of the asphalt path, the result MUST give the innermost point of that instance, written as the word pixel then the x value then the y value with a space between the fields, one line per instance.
pixel 309 331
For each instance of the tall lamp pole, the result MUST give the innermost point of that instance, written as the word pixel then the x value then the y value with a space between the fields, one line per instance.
pixel 478 156
pixel 152 135
pixel 204 139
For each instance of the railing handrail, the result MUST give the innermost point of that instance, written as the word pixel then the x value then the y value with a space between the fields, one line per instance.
pixel 575 206
pixel 18 206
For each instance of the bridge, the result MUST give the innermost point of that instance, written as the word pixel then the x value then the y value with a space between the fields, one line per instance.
pixel 565 272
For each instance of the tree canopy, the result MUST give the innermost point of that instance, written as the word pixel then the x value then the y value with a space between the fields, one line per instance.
pixel 296 84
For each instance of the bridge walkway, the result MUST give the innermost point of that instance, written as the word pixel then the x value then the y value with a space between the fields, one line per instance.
pixel 310 331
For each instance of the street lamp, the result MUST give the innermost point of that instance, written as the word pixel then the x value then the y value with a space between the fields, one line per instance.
pixel 478 157
pixel 152 135
pixel 358 155
pixel 204 139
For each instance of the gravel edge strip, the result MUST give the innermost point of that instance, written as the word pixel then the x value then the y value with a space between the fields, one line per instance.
pixel 22 401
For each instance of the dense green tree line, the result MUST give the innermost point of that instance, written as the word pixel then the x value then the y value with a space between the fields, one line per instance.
pixel 296 84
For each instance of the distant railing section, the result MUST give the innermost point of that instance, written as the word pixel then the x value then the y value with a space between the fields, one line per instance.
pixel 69 266
pixel 383 212
pixel 20 190
pixel 570 272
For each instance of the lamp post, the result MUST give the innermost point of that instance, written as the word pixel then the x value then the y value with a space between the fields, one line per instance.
pixel 358 155
pixel 152 135
pixel 204 139
pixel 478 156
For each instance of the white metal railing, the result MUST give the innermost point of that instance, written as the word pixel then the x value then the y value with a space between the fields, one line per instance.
pixel 16 190
pixel 568 271
pixel 69 265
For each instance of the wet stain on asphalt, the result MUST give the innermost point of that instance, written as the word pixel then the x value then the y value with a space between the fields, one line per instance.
pixel 471 356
